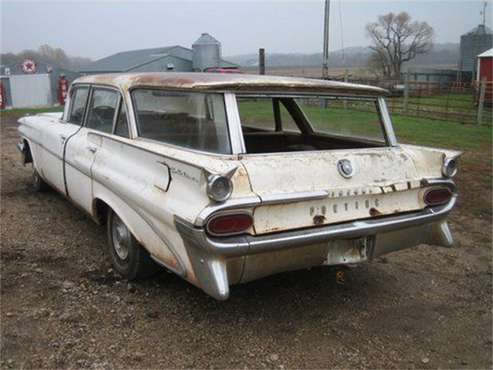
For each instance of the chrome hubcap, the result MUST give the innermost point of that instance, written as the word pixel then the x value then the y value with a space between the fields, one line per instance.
pixel 121 237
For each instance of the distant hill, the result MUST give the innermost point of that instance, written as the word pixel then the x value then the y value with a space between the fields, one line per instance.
pixel 442 54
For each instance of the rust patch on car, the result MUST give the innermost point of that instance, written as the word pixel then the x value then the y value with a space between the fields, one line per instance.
pixel 375 212
pixel 318 220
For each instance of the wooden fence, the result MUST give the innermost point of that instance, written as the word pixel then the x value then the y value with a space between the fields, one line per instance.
pixel 448 101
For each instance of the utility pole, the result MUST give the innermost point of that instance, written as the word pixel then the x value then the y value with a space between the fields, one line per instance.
pixel 261 61
pixel 325 65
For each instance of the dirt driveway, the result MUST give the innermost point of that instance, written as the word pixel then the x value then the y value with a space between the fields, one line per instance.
pixel 63 307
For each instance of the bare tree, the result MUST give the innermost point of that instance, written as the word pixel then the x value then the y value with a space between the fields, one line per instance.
pixel 396 40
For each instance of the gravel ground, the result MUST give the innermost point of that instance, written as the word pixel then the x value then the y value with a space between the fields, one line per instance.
pixel 63 307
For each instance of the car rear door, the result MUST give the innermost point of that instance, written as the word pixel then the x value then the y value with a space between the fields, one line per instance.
pixel 82 147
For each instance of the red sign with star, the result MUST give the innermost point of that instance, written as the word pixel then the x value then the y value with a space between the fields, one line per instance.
pixel 28 66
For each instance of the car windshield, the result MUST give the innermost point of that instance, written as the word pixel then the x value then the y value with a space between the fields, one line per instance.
pixel 192 120
pixel 280 124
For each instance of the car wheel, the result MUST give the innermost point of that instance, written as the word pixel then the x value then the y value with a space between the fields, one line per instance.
pixel 39 185
pixel 129 258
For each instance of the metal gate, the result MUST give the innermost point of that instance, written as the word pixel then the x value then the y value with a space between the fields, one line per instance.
pixel 30 90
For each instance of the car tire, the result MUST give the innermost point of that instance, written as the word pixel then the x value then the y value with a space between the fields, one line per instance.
pixel 128 257
pixel 39 185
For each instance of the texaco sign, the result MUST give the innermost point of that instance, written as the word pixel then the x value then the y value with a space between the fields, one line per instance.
pixel 28 66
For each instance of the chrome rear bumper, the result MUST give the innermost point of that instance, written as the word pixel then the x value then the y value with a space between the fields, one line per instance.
pixel 247 244
pixel 209 255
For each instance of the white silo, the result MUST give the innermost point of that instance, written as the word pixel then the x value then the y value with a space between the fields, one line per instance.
pixel 206 53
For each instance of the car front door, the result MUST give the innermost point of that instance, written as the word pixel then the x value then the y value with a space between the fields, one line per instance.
pixel 82 147
pixel 55 138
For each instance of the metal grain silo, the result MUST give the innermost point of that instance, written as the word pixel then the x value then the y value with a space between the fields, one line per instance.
pixel 472 44
pixel 206 52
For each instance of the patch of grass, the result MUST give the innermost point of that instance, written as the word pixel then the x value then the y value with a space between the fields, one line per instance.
pixel 444 134
pixel 23 111
pixel 419 131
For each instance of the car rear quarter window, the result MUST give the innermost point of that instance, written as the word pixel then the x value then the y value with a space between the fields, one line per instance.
pixel 121 128
pixel 190 120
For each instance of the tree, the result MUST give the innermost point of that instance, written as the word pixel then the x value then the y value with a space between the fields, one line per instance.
pixel 396 40
pixel 54 57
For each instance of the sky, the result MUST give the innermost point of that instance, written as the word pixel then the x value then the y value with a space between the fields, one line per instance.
pixel 96 29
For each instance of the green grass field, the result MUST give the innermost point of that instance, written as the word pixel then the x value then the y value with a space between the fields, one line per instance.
pixel 420 131
pixel 24 111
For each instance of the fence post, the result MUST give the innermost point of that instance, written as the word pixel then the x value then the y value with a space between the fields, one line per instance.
pixel 447 107
pixel 345 80
pixel 482 93
pixel 406 91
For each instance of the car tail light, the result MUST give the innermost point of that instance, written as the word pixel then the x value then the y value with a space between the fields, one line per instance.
pixel 435 197
pixel 229 224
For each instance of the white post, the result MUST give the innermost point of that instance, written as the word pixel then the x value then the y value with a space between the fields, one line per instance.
pixel 482 93
pixel 325 65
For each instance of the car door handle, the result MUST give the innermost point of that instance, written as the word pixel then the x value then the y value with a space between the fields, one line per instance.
pixel 92 149
pixel 63 138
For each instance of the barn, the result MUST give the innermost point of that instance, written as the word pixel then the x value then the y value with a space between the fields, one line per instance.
pixel 205 53
pixel 485 66
pixel 485 73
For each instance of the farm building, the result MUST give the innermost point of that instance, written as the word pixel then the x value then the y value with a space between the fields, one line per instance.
pixel 473 43
pixel 485 66
pixel 31 83
pixel 431 75
pixel 205 53
pixel 485 73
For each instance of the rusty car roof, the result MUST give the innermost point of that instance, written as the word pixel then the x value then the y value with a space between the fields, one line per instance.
pixel 231 82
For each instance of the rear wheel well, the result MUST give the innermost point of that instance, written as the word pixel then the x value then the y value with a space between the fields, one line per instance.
pixel 28 157
pixel 101 210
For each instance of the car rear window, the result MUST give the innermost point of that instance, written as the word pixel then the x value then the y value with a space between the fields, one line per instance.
pixel 191 120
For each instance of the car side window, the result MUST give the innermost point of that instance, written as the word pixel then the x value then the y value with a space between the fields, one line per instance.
pixel 190 120
pixel 79 99
pixel 121 128
pixel 102 110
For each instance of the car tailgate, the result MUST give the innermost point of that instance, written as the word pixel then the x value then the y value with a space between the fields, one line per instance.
pixel 303 189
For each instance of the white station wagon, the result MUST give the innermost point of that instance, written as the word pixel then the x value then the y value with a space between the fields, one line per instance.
pixel 225 179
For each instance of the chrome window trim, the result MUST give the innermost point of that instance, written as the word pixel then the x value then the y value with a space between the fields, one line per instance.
pixel 387 122
pixel 132 123
pixel 74 89
pixel 267 94
pixel 249 155
pixel 234 124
